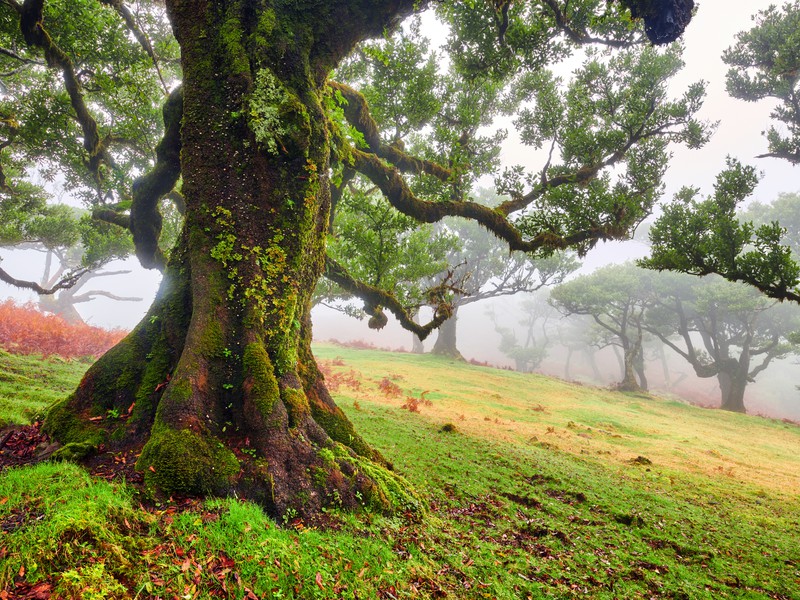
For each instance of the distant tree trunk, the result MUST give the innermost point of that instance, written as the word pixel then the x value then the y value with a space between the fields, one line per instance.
pixel 57 305
pixel 732 385
pixel 567 362
pixel 629 383
pixel 416 344
pixel 590 358
pixel 446 340
pixel 640 370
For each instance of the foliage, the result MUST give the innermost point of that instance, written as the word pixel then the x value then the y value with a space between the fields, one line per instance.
pixel 704 236
pixel 700 237
pixel 617 298
pixel 385 249
pixel 765 63
pixel 25 330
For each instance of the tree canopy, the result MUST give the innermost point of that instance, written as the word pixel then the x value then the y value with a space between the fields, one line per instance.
pixel 706 236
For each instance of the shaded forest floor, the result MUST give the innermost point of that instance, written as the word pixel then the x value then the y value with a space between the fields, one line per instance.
pixel 535 489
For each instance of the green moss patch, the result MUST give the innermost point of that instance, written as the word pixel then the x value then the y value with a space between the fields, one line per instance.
pixel 183 462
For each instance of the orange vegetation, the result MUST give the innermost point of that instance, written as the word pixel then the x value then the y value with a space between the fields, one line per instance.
pixel 25 330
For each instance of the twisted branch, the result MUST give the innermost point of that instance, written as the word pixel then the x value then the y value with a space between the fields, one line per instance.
pixel 66 282
pixel 145 219
pixel 394 187
pixel 357 113
pixel 375 298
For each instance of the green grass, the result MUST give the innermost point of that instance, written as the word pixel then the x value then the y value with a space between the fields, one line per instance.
pixel 28 384
pixel 539 501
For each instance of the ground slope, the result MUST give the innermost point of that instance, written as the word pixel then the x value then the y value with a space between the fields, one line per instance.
pixel 535 489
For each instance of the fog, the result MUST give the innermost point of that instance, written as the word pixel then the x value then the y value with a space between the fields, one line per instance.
pixel 739 134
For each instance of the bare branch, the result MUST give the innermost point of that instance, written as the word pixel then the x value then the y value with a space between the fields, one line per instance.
pixel 66 282
pixel 88 296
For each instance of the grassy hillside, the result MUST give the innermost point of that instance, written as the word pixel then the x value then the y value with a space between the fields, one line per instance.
pixel 535 489
pixel 28 384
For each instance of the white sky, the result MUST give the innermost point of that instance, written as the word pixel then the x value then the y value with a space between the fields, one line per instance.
pixel 739 134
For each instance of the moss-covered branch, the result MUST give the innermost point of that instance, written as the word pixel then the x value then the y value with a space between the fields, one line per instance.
pixel 393 186
pixel 357 113
pixel 374 298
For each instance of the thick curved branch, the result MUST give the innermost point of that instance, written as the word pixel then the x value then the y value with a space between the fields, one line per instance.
pixel 392 185
pixel 113 217
pixel 375 297
pixel 145 219
pixel 356 111
pixel 66 282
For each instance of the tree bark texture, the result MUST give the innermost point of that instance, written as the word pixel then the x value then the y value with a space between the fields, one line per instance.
pixel 219 382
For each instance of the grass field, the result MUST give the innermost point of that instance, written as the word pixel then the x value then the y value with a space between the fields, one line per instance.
pixel 535 489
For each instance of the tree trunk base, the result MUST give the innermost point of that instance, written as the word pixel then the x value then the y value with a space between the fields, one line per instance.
pixel 228 427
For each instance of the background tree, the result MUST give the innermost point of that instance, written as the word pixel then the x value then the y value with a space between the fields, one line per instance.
pixel 704 236
pixel 384 249
pixel 218 385
pixel 765 64
pixel 616 298
pixel 485 270
pixel 529 353
pixel 740 332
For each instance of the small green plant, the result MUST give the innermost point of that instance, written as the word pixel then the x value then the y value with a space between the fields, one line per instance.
pixel 113 413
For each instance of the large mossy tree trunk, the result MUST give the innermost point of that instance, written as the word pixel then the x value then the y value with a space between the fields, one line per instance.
pixel 222 391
